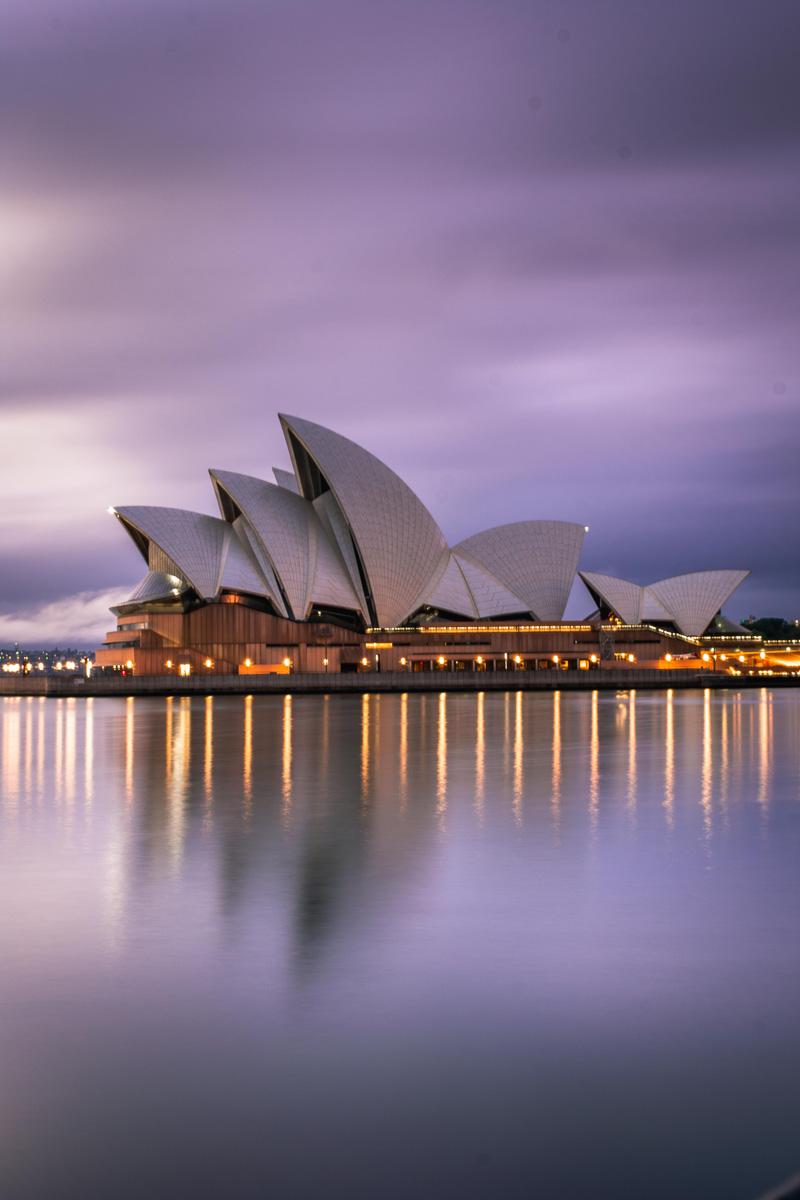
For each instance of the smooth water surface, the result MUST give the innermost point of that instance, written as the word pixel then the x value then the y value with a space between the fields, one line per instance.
pixel 513 945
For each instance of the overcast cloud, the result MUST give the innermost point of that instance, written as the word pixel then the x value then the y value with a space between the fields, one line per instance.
pixel 542 258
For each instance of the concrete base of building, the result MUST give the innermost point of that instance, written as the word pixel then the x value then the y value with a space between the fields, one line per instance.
pixel 387 681
pixel 219 640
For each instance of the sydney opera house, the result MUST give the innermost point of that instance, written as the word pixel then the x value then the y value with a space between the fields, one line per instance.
pixel 338 566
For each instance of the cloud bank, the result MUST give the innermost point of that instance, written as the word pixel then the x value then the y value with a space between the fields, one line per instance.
pixel 80 621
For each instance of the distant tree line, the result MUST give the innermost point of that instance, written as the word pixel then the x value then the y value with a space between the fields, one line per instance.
pixel 771 627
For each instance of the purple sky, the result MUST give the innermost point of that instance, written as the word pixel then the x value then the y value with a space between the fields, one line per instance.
pixel 542 258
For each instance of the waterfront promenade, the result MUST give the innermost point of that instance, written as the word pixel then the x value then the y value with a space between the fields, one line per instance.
pixel 384 681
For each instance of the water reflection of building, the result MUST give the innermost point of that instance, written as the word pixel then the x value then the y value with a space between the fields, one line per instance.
pixel 348 799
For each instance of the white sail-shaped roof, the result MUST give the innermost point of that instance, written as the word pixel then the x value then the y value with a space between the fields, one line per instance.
pixel 281 522
pixel 272 589
pixel 335 526
pixel 240 570
pixel 536 560
pixel 156 585
pixel 331 583
pixel 451 591
pixel 694 599
pixel 343 531
pixel 399 544
pixel 288 532
pixel 286 479
pixel 652 609
pixel 194 543
pixel 688 601
pixel 620 595
pixel 491 598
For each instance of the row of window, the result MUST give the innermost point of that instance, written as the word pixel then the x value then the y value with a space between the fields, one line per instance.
pixel 511 662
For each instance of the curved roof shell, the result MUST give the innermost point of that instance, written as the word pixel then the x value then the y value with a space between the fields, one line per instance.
pixel 289 533
pixel 156 585
pixel 286 479
pixel 280 521
pixel 335 526
pixel 491 597
pixel 694 599
pixel 331 583
pixel 536 560
pixel 620 595
pixel 272 589
pixel 399 544
pixel 344 531
pixel 240 569
pixel 689 601
pixel 192 544
pixel 451 592
pixel 652 609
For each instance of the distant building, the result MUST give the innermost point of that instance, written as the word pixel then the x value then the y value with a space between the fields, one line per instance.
pixel 339 566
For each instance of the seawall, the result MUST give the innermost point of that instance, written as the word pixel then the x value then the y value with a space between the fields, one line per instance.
pixel 387 681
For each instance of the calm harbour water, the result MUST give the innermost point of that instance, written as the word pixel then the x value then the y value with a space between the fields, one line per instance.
pixel 400 946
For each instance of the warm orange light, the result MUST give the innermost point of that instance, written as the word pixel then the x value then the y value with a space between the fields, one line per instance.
pixel 517 658
pixel 324 662
pixel 668 657
pixel 168 664
pixel 248 662
pixel 441 660
pixel 287 662
pixel 479 659
pixel 403 662
pixel 706 658
pixel 129 664
pixel 762 654
pixel 724 657
pixel 631 658
pixel 209 662
pixel 741 658
pixel 592 658
pixel 555 658
pixel 364 662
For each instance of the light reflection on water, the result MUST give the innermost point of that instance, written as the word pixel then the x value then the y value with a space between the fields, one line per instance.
pixel 395 945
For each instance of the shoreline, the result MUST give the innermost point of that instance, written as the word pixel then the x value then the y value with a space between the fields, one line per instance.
pixel 388 681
